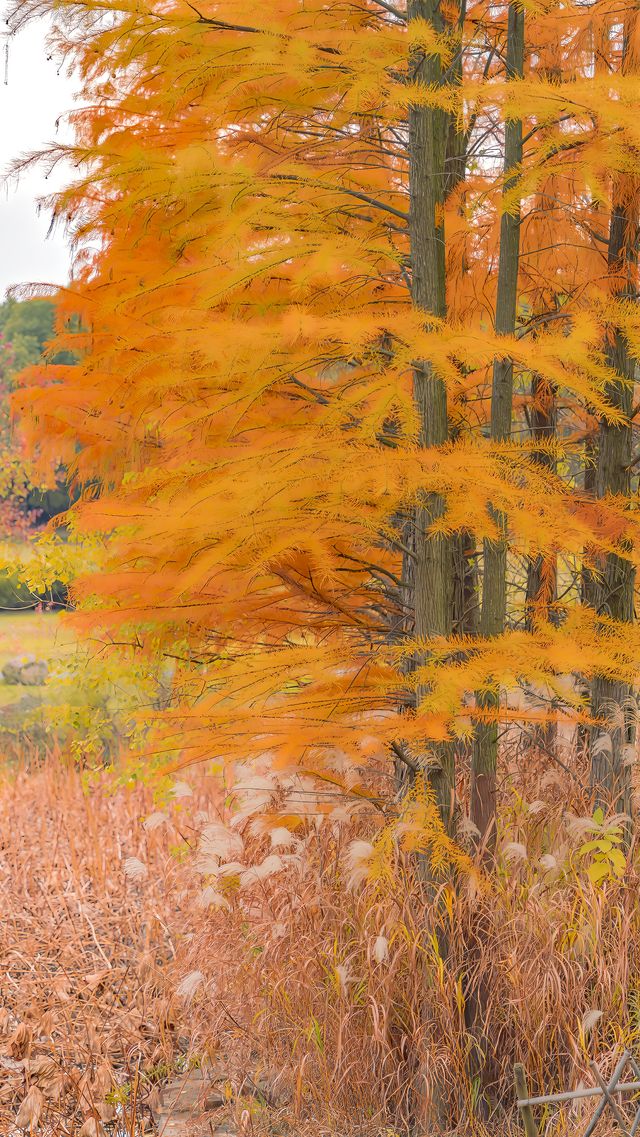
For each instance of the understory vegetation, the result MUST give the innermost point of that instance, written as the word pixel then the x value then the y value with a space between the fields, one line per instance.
pixel 129 960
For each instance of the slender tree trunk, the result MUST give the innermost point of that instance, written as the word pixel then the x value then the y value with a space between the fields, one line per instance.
pixel 465 585
pixel 589 595
pixel 542 419
pixel 589 586
pixel 542 571
pixel 494 596
pixel 466 608
pixel 430 577
pixel 611 698
pixel 465 572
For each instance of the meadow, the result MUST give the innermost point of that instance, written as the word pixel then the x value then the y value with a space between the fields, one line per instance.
pixel 40 634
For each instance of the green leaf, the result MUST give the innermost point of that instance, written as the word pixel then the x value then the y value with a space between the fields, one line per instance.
pixel 618 862
pixel 315 1033
pixel 597 844
pixel 598 872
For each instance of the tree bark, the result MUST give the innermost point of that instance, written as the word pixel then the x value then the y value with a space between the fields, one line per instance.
pixel 494 595
pixel 611 698
pixel 542 571
pixel 430 578
pixel 428 571
pixel 466 610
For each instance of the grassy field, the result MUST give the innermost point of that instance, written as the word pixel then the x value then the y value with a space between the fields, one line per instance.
pixel 42 634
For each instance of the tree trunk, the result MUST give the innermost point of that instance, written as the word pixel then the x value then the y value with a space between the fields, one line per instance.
pixel 611 698
pixel 430 578
pixel 494 596
pixel 588 578
pixel 542 571
pixel 541 575
pixel 466 611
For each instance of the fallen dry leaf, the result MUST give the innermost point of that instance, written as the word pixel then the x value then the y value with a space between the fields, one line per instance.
pixel 31 1109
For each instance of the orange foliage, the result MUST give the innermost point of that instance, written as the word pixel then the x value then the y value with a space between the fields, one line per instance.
pixel 247 346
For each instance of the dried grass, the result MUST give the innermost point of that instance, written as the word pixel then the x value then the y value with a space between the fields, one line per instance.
pixel 126 955
pixel 378 1008
pixel 87 1015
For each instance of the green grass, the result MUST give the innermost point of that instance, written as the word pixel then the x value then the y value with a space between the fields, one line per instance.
pixel 42 634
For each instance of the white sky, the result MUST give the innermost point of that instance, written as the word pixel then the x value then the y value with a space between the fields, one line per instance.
pixel 31 100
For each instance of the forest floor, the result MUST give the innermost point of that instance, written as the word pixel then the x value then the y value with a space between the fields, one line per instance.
pixel 101 921
pixel 94 1029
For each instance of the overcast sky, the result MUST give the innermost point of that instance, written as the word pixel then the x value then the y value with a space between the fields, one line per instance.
pixel 32 96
